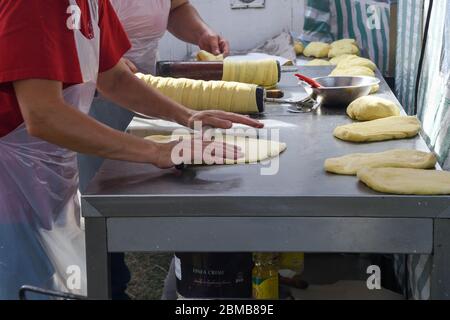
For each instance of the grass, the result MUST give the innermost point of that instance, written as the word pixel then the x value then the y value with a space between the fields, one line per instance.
pixel 148 271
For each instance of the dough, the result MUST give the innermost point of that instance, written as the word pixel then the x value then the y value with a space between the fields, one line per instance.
pixel 350 164
pixel 207 95
pixel 344 42
pixel 353 71
pixel 379 130
pixel 318 62
pixel 372 108
pixel 335 61
pixel 206 56
pixel 350 61
pixel 255 150
pixel 298 47
pixel 317 50
pixel 375 89
pixel 339 50
pixel 406 181
pixel 261 72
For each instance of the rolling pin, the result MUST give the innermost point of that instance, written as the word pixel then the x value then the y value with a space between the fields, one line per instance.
pixel 194 70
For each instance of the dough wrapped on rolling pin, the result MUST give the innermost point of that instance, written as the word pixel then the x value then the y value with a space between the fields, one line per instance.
pixel 263 72
pixel 207 95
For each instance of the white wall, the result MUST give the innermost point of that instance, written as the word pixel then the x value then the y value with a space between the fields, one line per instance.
pixel 244 28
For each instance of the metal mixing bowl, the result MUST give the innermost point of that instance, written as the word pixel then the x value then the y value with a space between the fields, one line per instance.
pixel 340 91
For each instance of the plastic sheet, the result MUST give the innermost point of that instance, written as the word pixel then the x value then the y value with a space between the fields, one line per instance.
pixel 41 240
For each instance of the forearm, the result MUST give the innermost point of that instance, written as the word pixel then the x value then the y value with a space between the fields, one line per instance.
pixel 186 24
pixel 67 127
pixel 124 88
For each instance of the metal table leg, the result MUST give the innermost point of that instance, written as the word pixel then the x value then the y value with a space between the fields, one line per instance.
pixel 97 259
pixel 440 271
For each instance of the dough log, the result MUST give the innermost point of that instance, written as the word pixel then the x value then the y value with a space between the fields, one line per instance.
pixel 207 95
pixel 379 130
pixel 261 72
pixel 399 158
pixel 406 181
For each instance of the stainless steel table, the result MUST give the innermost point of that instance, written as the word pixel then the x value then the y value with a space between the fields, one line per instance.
pixel 138 208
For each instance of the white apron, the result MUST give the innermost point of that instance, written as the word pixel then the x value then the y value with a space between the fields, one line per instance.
pixel 41 242
pixel 145 22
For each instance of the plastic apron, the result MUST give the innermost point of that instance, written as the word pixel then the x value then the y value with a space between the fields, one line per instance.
pixel 145 22
pixel 41 241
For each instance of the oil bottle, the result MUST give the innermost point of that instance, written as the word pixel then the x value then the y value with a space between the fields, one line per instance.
pixel 265 276
pixel 291 264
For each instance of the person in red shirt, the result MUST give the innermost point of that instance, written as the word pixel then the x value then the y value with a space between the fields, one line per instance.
pixel 54 55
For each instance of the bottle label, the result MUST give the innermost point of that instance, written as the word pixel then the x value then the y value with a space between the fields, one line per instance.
pixel 265 289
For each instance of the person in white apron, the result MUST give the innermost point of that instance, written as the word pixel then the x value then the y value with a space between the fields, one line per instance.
pixel 41 230
pixel 145 22
pixel 41 241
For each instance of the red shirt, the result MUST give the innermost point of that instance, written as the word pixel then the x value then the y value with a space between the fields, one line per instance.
pixel 35 43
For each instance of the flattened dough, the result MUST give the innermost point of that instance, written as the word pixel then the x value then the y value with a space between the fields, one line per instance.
pixel 372 108
pixel 406 181
pixel 318 62
pixel 398 158
pixel 255 150
pixel 379 130
pixel 317 50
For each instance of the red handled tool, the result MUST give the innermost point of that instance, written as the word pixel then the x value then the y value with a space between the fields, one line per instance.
pixel 313 83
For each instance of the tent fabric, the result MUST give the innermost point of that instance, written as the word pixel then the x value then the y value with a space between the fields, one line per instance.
pixel 433 105
pixel 367 21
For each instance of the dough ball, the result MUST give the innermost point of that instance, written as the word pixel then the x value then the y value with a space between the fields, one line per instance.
pixel 375 89
pixel 344 42
pixel 350 61
pixel 379 130
pixel 353 71
pixel 335 61
pixel 298 47
pixel 206 56
pixel 340 50
pixel 318 62
pixel 372 108
pixel 398 158
pixel 317 50
pixel 406 181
